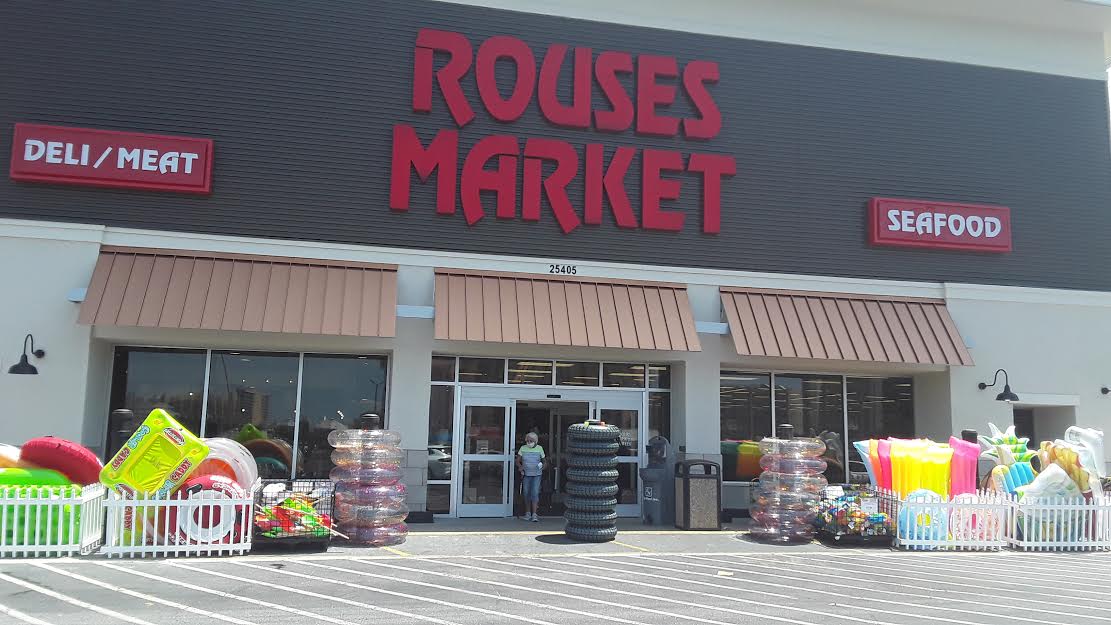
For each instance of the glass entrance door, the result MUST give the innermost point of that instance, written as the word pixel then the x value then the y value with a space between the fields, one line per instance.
pixel 484 466
pixel 624 411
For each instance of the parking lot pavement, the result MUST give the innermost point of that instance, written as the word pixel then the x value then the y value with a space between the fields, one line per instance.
pixel 607 586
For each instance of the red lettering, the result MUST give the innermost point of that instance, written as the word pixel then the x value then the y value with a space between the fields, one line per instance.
pixel 712 167
pixel 606 68
pixel 555 185
pixel 650 95
pixel 502 180
pixel 578 114
pixel 502 47
pixel 654 187
pixel 408 153
pixel 429 42
pixel 696 75
pixel 612 181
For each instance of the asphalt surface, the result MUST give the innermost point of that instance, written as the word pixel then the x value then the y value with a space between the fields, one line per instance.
pixel 612 584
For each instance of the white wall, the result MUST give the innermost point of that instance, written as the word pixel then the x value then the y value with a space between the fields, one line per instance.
pixel 1049 36
pixel 1057 353
pixel 35 276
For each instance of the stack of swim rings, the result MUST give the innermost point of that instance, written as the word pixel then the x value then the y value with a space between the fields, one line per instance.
pixel 370 498
pixel 591 504
pixel 790 487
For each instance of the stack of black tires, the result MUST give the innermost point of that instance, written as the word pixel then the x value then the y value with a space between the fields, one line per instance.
pixel 592 482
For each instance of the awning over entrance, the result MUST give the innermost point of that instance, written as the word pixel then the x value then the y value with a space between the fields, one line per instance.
pixel 837 326
pixel 204 290
pixel 581 312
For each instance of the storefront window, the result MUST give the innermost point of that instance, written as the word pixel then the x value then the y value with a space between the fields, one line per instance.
pixel 443 368
pixel 746 416
pixel 252 398
pixel 530 372
pixel 815 405
pixel 616 374
pixel 746 412
pixel 659 376
pixel 659 415
pixel 170 379
pixel 489 370
pixel 441 418
pixel 577 373
pixel 878 408
pixel 335 392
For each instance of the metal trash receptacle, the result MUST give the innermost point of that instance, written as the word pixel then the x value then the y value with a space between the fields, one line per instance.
pixel 698 495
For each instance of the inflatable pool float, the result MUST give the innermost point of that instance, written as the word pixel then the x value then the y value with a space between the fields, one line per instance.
pixel 71 459
pixel 380 536
pixel 32 477
pixel 274 448
pixel 371 495
pixel 229 459
pixel 216 520
pixel 157 459
pixel 9 456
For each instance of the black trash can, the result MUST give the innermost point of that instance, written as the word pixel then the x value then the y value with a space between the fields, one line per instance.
pixel 698 495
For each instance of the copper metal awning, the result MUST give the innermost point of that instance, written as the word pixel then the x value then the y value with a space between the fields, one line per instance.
pixel 838 326
pixel 203 290
pixel 549 310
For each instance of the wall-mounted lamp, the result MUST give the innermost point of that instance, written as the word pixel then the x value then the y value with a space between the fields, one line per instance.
pixel 1007 395
pixel 1105 390
pixel 23 367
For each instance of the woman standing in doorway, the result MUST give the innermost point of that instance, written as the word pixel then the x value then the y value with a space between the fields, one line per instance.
pixel 530 464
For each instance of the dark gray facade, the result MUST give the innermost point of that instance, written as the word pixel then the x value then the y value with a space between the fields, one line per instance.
pixel 301 99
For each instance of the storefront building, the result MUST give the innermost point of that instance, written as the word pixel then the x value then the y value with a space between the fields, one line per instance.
pixel 695 221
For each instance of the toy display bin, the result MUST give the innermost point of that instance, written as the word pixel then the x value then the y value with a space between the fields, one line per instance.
pixel 294 513
pixel 51 521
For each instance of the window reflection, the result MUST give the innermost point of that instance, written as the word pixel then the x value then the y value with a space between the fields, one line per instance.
pixel 489 370
pixel 144 379
pixel 441 417
pixel 252 398
pixel 577 373
pixel 623 375
pixel 815 406
pixel 530 372
pixel 659 415
pixel 878 408
pixel 336 390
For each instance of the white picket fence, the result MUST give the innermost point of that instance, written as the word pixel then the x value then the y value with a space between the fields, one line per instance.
pixel 156 526
pixel 51 521
pixel 1062 525
pixel 972 522
pixel 990 521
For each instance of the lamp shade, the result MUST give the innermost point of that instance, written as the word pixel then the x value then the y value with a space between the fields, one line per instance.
pixel 1007 395
pixel 23 367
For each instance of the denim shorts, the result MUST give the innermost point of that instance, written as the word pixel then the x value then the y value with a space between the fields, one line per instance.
pixel 530 484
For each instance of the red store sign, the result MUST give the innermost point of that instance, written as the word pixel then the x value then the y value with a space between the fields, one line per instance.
pixel 107 158
pixel 495 163
pixel 939 225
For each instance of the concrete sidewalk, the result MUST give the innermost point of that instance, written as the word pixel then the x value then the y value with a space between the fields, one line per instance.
pixel 500 537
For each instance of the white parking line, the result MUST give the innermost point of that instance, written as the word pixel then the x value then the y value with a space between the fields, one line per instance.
pixel 624 606
pixel 73 601
pixel 739 600
pixel 532 604
pixel 26 618
pixel 227 595
pixel 900 585
pixel 903 578
pixel 902 591
pixel 1049 564
pixel 657 597
pixel 528 589
pixel 139 595
pixel 449 604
